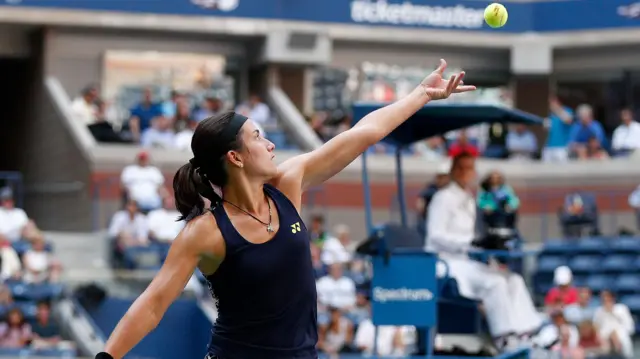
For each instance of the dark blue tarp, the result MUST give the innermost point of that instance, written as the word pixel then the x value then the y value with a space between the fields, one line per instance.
pixel 438 119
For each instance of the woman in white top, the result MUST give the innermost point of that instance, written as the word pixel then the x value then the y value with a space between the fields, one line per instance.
pixel 39 266
pixel 615 324
pixel 129 227
pixel 336 334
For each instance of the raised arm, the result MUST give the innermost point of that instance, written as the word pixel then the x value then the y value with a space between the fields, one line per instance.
pixel 318 166
pixel 146 312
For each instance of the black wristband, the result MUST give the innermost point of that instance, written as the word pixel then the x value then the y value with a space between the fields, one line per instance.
pixel 103 355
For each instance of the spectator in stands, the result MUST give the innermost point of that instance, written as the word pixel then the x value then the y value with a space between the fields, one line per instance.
pixel 159 135
pixel 634 202
pixel 583 131
pixel 336 289
pixel 390 339
pixel 451 233
pixel 319 268
pixel 336 335
pixel 143 113
pixel 566 348
pixel 13 220
pixel 210 107
pixel 46 333
pixel 498 202
pixel 590 340
pixel 162 223
pixel 183 138
pixel 583 310
pixel 144 183
pixel 337 248
pixel 432 149
pixel 15 332
pixel 463 145
pixel 129 227
pixel 362 309
pixel 182 119
pixel 615 324
pixel 558 334
pixel 317 232
pixel 258 111
pixel 595 151
pixel 170 107
pixel 317 123
pixel 39 265
pixel 101 129
pixel 10 265
pixel 559 125
pixel 579 212
pixel 83 107
pixel 564 293
pixel 521 143
pixel 626 137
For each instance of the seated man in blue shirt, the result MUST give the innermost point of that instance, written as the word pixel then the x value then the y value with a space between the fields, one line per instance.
pixel 143 113
pixel 582 131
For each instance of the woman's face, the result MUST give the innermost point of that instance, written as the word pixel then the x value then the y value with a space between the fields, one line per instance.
pixel 495 179
pixel 256 155
pixel 14 317
pixel 335 315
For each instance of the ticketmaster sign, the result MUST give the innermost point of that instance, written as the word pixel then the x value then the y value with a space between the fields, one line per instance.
pixel 405 290
pixel 409 14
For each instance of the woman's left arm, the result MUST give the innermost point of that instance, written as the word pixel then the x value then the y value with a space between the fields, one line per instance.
pixel 514 201
pixel 318 166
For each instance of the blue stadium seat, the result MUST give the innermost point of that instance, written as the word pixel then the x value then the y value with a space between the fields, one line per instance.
pixel 627 283
pixel 599 282
pixel 35 292
pixel 53 353
pixel 579 281
pixel 585 263
pixel 559 246
pixel 278 138
pixel 593 245
pixel 618 263
pixel 632 301
pixel 629 245
pixel 549 263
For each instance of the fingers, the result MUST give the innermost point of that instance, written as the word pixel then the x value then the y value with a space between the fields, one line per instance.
pixel 454 83
pixel 441 67
pixel 467 88
pixel 450 85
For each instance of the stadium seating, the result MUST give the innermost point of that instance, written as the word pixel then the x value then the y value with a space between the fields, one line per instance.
pixel 598 263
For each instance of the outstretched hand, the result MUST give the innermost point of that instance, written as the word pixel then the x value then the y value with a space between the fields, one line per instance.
pixel 437 88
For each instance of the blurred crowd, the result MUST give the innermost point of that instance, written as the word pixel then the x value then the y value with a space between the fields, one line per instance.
pixel 160 123
pixel 27 268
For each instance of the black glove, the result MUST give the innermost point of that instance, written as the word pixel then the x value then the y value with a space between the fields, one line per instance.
pixel 103 355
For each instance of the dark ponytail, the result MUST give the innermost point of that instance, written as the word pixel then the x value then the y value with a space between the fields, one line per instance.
pixel 212 139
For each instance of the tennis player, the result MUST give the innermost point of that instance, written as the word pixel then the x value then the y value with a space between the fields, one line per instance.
pixel 251 244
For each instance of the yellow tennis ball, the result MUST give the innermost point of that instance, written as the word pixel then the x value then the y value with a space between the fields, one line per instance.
pixel 496 15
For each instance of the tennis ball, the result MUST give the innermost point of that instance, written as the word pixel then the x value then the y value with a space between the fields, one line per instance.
pixel 496 15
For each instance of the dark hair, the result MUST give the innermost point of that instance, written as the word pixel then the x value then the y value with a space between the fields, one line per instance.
pixel 194 180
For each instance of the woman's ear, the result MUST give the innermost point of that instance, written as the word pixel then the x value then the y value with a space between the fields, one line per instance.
pixel 235 158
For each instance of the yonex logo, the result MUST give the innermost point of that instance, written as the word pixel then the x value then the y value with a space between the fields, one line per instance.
pixel 295 228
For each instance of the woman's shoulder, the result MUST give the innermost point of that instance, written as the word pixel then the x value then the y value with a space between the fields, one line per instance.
pixel 202 233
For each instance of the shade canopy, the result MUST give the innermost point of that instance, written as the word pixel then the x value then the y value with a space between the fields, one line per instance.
pixel 438 119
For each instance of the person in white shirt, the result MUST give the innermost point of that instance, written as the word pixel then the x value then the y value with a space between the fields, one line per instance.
pixel 258 112
pixel 129 227
pixel 336 290
pixel 336 249
pixel 162 223
pixel 626 137
pixel 14 223
pixel 159 135
pixel 39 265
pixel 84 107
pixel 451 226
pixel 182 141
pixel 615 324
pixel 144 183
pixel 10 265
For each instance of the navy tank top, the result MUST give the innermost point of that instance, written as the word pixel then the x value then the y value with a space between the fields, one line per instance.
pixel 265 293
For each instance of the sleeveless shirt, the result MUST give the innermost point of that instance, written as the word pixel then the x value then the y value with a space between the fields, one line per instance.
pixel 265 293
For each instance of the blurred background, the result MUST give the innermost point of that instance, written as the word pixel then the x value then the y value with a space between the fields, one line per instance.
pixel 101 98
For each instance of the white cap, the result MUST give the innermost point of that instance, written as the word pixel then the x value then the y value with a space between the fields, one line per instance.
pixel 562 275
